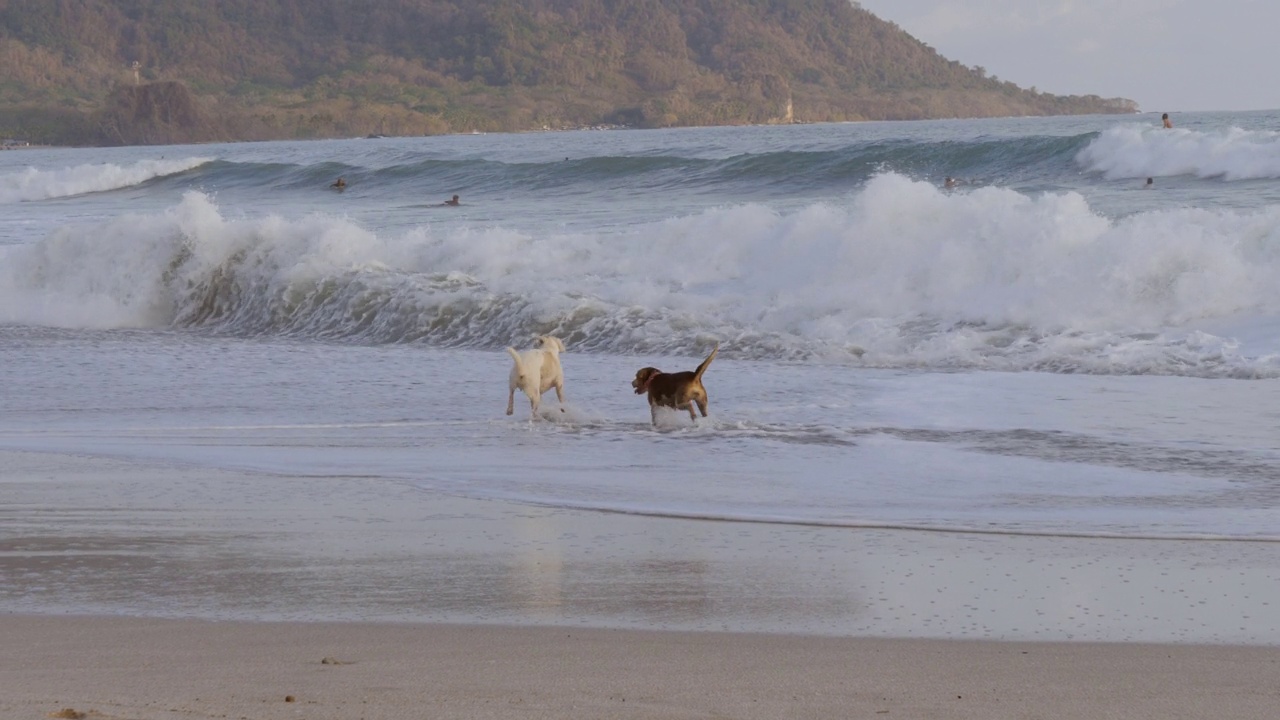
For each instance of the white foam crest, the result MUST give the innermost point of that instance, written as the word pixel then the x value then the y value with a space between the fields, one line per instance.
pixel 902 274
pixel 139 270
pixel 1136 151
pixel 106 276
pixel 33 184
pixel 905 249
pixel 912 275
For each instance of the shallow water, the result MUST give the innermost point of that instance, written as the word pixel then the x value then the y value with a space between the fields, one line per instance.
pixel 1028 453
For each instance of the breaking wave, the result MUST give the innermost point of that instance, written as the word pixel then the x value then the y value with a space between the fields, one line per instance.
pixel 32 184
pixel 899 275
pixel 1135 151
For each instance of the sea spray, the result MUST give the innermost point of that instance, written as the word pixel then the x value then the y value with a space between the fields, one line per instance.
pixel 902 274
pixel 1136 151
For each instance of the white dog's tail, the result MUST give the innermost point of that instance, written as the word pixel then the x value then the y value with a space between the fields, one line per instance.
pixel 519 365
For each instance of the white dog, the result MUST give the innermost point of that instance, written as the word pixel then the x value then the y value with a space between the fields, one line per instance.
pixel 535 372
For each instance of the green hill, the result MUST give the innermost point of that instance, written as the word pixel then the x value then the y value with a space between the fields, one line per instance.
pixel 263 69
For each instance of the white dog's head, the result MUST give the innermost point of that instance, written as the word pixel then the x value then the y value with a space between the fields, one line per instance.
pixel 549 343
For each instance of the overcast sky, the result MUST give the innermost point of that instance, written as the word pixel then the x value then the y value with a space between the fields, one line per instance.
pixel 1168 55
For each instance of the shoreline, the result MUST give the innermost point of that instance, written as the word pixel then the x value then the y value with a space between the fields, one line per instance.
pixel 112 537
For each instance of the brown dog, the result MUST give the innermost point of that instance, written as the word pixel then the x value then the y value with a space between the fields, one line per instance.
pixel 680 390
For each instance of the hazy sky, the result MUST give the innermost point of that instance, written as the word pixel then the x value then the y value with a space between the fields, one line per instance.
pixel 1168 55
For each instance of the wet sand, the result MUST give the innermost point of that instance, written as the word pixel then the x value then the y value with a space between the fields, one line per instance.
pixel 149 591
pixel 150 669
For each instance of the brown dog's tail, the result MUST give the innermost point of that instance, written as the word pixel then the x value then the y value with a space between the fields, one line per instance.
pixel 697 374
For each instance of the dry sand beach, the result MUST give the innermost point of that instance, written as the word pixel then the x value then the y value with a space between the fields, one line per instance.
pixel 134 591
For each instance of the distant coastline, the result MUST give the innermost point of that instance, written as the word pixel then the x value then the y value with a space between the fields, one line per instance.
pixel 210 73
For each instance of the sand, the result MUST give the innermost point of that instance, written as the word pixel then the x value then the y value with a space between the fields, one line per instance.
pixel 144 669
pixel 142 591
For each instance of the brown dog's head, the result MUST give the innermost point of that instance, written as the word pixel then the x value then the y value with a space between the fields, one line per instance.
pixel 644 376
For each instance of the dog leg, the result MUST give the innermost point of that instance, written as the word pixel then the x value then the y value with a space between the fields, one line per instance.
pixel 516 380
pixel 653 414
pixel 560 395
pixel 533 406
pixel 702 408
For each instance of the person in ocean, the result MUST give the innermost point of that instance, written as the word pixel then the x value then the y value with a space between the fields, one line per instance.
pixel 950 182
pixel 339 184
pixel 1165 119
pixel 1149 184
pixel 453 201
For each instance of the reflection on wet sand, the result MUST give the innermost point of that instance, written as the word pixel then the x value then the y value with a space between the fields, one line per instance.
pixel 107 537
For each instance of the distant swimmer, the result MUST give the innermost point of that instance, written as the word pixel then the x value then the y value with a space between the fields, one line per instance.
pixel 950 182
pixel 453 201
pixel 1167 122
pixel 1149 184
pixel 339 184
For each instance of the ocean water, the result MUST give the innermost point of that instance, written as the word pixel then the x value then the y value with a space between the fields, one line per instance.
pixel 1047 349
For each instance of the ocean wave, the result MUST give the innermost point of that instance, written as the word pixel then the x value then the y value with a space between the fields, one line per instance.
pixel 900 275
pixel 1136 151
pixel 744 174
pixel 32 184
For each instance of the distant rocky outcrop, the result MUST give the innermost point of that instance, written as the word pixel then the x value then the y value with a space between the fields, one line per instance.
pixel 157 113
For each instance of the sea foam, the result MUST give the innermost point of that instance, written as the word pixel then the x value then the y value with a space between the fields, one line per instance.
pixel 32 184
pixel 902 274
pixel 1135 151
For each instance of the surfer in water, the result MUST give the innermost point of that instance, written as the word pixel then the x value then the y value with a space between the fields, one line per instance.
pixel 1149 184
pixel 1165 119
pixel 339 184
pixel 950 183
pixel 453 201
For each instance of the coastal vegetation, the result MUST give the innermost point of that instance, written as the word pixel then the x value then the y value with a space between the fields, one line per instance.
pixel 147 71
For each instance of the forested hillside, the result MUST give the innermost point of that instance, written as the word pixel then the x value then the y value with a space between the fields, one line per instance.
pixel 259 69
